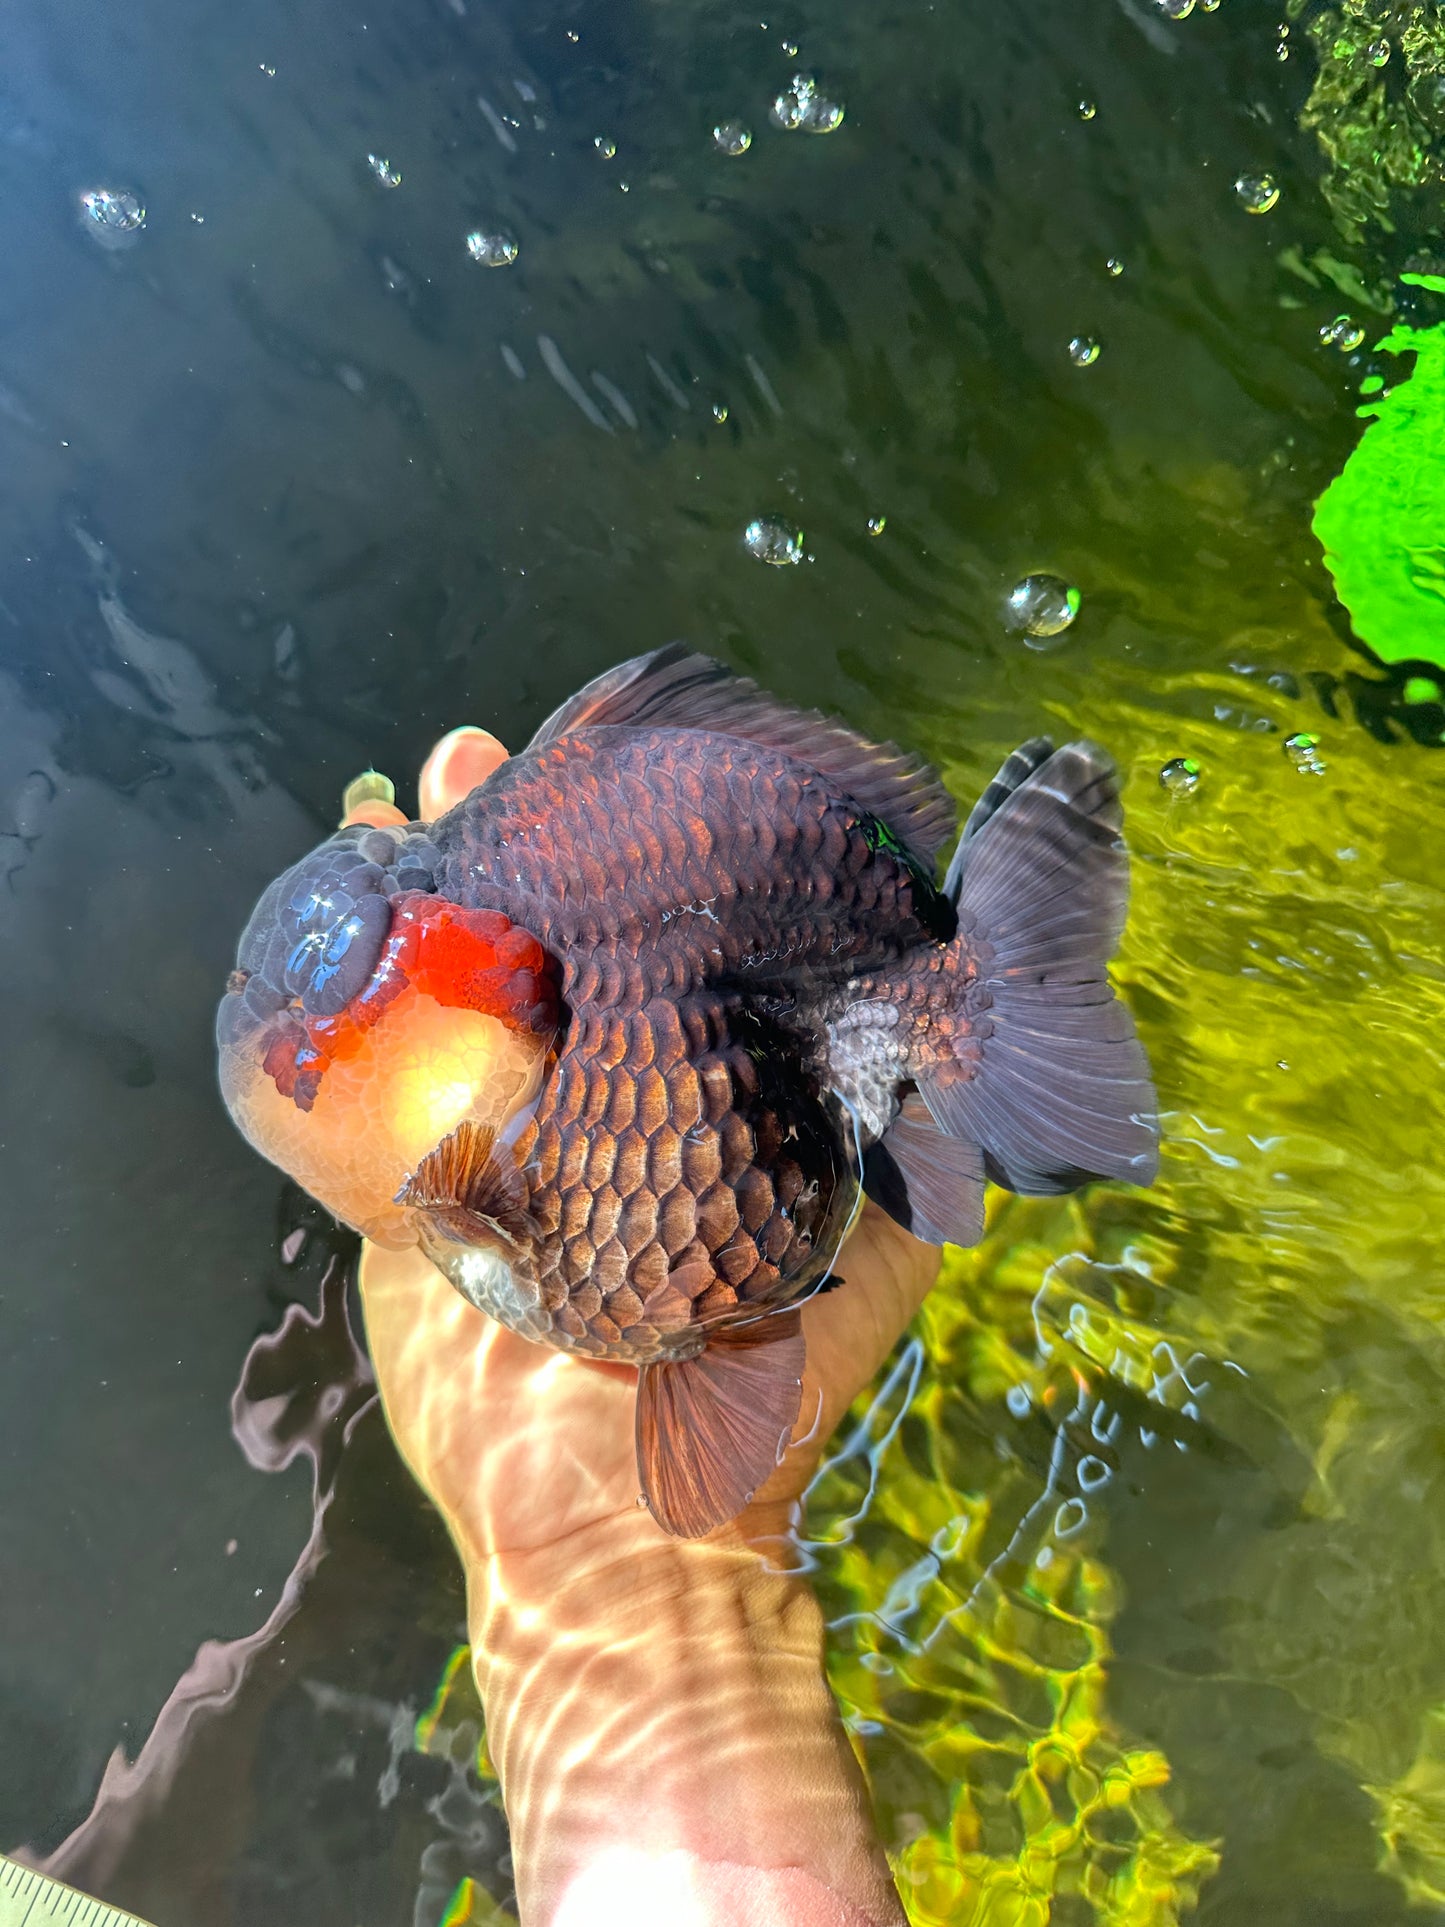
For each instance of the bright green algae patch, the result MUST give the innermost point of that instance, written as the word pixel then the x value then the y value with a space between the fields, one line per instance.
pixel 1381 522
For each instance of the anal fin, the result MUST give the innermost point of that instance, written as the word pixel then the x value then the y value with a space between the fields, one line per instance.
pixel 710 1429
pixel 930 1183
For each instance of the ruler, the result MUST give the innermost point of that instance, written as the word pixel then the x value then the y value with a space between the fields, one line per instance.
pixel 29 1899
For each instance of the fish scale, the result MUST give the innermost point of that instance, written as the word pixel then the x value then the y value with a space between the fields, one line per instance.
pixel 642 1161
pixel 597 843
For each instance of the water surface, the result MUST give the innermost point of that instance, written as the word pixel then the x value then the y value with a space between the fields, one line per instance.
pixel 291 483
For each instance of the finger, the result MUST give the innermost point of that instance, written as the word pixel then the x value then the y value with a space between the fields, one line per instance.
pixel 852 1329
pixel 370 799
pixel 376 816
pixel 463 758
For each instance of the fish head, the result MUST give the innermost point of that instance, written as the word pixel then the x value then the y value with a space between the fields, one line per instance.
pixel 369 1020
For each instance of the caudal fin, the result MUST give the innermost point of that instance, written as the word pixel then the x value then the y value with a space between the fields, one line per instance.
pixel 1051 1082
pixel 710 1429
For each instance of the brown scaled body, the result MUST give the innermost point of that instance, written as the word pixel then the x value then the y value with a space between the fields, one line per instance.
pixel 684 1168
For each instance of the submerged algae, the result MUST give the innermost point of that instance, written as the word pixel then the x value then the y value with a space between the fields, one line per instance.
pixel 972 1606
pixel 1377 105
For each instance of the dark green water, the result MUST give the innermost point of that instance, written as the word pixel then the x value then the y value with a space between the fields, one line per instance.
pixel 275 505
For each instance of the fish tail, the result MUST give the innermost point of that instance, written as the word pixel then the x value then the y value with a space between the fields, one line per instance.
pixel 1040 1083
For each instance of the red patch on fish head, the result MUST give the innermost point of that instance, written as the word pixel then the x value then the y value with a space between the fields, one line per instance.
pixel 462 959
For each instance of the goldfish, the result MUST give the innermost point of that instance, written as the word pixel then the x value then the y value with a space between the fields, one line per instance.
pixel 624 1039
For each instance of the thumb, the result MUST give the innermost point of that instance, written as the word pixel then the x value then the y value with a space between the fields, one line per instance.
pixel 462 759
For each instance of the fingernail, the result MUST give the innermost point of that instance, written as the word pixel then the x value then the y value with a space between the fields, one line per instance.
pixel 370 798
pixel 462 759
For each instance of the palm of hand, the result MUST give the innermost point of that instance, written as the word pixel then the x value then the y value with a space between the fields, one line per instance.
pixel 520 1446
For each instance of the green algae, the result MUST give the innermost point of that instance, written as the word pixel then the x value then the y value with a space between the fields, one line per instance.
pixel 1377 105
pixel 1381 522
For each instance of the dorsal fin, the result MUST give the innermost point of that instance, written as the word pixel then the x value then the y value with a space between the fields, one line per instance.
pixel 470 1191
pixel 676 687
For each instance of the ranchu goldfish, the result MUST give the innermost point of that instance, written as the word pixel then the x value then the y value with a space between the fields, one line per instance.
pixel 624 1038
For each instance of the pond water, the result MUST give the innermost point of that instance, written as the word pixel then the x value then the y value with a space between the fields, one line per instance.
pixel 1133 1557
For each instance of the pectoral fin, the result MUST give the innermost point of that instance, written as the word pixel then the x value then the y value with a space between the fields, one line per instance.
pixel 471 1191
pixel 710 1429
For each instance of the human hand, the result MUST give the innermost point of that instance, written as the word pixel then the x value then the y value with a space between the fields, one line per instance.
pixel 528 1454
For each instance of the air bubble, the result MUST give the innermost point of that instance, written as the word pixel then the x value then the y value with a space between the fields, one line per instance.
pixel 1378 53
pixel 1344 333
pixel 112 216
pixel 1257 193
pixel 772 539
pixel 719 412
pixel 790 48
pixel 1180 776
pixel 1087 109
pixel 800 105
pixel 1083 351
pixel 491 250
pixel 1113 267
pixel 385 174
pixel 732 137
pixel 606 147
pixel 877 524
pixel 1042 606
pixel 1175 9
pixel 1303 750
